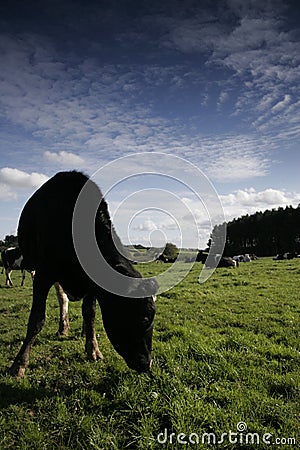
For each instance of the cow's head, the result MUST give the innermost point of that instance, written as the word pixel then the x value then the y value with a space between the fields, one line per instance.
pixel 129 326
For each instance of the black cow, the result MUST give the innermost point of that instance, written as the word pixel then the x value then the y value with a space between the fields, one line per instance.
pixel 221 261
pixel 12 259
pixel 45 236
pixel 201 257
pixel 163 258
pixel 226 261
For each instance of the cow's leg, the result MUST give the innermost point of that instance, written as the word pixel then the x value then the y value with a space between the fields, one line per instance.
pixel 63 301
pixel 89 314
pixel 36 321
pixel 23 278
pixel 8 281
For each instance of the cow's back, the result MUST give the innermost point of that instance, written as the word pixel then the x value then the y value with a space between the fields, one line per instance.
pixel 45 226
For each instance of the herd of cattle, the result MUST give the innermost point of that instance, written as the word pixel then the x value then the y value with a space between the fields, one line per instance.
pixel 12 259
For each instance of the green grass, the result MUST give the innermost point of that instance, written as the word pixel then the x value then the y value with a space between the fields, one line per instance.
pixel 225 352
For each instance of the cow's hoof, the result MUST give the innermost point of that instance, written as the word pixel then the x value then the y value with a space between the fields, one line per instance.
pixel 17 371
pixel 62 333
pixel 93 352
pixel 96 355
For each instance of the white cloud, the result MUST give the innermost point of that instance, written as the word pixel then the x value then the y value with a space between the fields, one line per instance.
pixel 6 193
pixel 224 96
pixel 249 201
pixel 12 180
pixel 17 178
pixel 233 168
pixel 261 54
pixel 64 158
pixel 282 104
pixel 94 120
pixel 147 225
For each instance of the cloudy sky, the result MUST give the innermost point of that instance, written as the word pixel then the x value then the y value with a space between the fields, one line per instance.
pixel 215 83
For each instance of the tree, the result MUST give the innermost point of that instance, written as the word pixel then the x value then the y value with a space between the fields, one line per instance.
pixel 170 251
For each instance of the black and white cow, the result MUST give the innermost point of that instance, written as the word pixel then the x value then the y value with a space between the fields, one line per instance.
pixel 286 255
pixel 215 260
pixel 248 257
pixel 47 221
pixel 242 258
pixel 226 261
pixel 12 259
pixel 220 261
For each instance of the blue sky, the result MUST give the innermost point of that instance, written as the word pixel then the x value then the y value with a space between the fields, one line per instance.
pixel 213 82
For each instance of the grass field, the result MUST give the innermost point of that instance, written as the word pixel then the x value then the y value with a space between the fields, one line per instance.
pixel 226 357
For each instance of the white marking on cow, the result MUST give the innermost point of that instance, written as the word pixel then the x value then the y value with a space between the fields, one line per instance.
pixel 63 301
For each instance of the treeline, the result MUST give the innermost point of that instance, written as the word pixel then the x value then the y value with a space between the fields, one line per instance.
pixel 263 233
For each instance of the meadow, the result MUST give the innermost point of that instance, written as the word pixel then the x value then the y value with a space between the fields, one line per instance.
pixel 225 373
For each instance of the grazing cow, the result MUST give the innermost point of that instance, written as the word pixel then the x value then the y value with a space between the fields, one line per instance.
pixel 201 257
pixel 242 258
pixel 12 259
pixel 45 223
pixel 222 261
pixel 215 260
pixel 287 255
pixel 165 259
pixel 225 261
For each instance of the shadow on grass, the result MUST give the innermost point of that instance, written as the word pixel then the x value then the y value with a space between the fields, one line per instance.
pixel 15 395
pixel 28 391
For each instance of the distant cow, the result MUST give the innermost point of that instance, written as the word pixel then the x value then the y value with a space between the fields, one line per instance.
pixel 165 259
pixel 215 260
pixel 45 223
pixel 221 261
pixel 12 259
pixel 287 255
pixel 242 258
pixel 201 257
pixel 226 261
